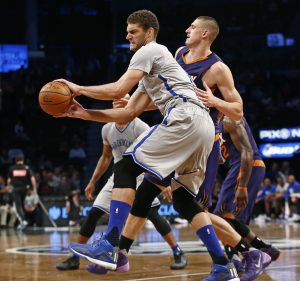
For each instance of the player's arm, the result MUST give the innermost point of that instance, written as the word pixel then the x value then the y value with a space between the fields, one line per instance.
pixel 101 167
pixel 241 142
pixel 110 91
pixel 33 183
pixel 120 103
pixel 136 105
pixel 232 105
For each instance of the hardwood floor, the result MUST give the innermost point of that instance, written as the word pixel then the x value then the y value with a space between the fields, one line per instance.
pixel 33 255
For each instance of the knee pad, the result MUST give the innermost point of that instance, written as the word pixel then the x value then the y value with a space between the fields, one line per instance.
pixel 88 227
pixel 239 227
pixel 185 204
pixel 125 173
pixel 144 197
pixel 161 224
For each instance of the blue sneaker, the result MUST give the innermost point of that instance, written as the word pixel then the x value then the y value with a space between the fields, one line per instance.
pixel 122 265
pixel 100 252
pixel 223 273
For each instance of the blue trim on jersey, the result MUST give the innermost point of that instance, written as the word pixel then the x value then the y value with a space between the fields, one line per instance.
pixel 101 208
pixel 167 85
pixel 122 130
pixel 132 153
pixel 185 187
pixel 165 120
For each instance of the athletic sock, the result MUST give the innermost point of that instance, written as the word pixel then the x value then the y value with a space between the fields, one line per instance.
pixel 125 243
pixel 117 217
pixel 257 243
pixel 176 249
pixel 230 252
pixel 209 238
pixel 242 246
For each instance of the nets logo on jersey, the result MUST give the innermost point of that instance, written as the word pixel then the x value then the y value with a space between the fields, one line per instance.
pixel 121 142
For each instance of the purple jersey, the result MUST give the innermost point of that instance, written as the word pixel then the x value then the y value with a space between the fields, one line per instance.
pixel 225 206
pixel 229 151
pixel 196 70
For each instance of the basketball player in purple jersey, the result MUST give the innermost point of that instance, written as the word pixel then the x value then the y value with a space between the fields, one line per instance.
pixel 241 185
pixel 214 80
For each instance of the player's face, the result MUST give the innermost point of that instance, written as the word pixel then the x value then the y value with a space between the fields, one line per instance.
pixel 194 33
pixel 136 36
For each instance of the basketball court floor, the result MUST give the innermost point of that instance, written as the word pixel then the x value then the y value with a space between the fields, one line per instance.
pixel 33 254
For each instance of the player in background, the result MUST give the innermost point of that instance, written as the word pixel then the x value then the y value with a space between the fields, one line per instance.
pixel 242 183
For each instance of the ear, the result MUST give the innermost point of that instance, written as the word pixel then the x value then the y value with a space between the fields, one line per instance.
pixel 205 33
pixel 150 32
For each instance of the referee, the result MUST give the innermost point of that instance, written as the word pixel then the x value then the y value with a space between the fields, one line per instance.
pixel 20 178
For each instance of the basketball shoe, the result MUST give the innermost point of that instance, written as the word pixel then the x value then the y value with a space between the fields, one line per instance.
pixel 254 265
pixel 180 261
pixel 122 265
pixel 223 273
pixel 273 252
pixel 69 264
pixel 100 252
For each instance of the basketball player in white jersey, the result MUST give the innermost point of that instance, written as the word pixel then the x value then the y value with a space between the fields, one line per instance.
pixel 182 142
pixel 117 137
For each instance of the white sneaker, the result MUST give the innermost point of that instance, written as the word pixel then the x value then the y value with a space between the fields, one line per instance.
pixel 22 225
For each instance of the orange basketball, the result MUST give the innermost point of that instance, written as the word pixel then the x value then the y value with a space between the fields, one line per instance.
pixel 55 97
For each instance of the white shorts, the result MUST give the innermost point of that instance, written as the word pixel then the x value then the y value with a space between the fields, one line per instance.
pixel 103 199
pixel 181 143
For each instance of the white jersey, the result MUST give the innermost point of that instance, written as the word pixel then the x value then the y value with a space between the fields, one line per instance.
pixel 120 139
pixel 184 139
pixel 166 80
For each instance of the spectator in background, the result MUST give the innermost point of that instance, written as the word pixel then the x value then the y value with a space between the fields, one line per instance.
pixel 279 198
pixel 269 190
pixel 31 202
pixel 6 206
pixel 293 196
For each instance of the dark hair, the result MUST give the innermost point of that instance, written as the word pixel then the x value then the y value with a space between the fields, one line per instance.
pixel 19 157
pixel 145 19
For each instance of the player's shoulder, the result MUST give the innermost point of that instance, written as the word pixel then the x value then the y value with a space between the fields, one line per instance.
pixel 219 67
pixel 178 50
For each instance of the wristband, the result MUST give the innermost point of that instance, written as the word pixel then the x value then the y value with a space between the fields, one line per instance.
pixel 242 187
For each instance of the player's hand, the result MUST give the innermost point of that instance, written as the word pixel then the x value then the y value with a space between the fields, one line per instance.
pixel 89 190
pixel 167 194
pixel 120 103
pixel 75 89
pixel 75 110
pixel 241 198
pixel 207 97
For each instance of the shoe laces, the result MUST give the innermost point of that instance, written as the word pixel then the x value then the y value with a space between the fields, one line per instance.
pixel 97 241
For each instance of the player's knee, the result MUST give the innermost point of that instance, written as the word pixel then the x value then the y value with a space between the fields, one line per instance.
pixel 88 227
pixel 160 223
pixel 185 204
pixel 239 227
pixel 144 197
pixel 125 173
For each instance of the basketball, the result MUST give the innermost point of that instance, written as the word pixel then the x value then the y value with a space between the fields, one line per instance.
pixel 55 98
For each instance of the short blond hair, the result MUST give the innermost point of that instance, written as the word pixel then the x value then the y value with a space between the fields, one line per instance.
pixel 211 24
